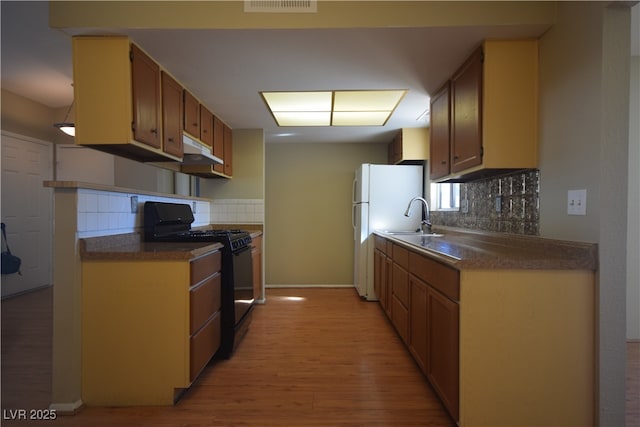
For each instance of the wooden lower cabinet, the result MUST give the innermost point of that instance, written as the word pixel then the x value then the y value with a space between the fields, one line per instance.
pixel 149 327
pixel 497 346
pixel 400 294
pixel 443 348
pixel 256 259
pixel 418 315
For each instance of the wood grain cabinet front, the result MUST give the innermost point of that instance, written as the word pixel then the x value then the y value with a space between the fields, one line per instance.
pixel 149 328
pixel 400 293
pixel 409 146
pixel 191 115
pixel 256 260
pixel 476 332
pixel 117 95
pixel 172 111
pixel 484 119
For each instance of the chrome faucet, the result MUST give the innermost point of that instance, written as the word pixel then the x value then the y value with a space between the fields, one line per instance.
pixel 425 225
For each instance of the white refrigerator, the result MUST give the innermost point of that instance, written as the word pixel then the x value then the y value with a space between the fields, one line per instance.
pixel 381 194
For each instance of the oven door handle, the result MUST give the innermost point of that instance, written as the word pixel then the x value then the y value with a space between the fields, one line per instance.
pixel 242 250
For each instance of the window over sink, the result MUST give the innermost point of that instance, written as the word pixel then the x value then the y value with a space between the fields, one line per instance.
pixel 445 197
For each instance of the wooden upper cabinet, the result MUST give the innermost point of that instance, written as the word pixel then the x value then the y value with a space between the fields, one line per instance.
pixel 206 126
pixel 440 135
pixel 409 146
pixel 493 119
pixel 218 143
pixel 171 115
pixel 228 150
pixel 466 105
pixel 146 98
pixel 191 115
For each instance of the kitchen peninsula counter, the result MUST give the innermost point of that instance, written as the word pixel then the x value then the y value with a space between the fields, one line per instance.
pixel 465 249
pixel 132 247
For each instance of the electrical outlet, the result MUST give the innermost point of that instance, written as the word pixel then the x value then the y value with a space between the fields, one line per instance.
pixel 193 207
pixel 498 204
pixel 577 202
pixel 134 204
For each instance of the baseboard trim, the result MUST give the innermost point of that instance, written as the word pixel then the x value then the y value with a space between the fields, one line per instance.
pixel 319 285
pixel 67 408
pixel 25 292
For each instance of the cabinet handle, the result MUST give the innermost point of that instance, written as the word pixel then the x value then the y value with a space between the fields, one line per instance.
pixel 456 157
pixel 170 140
pixel 154 131
pixel 204 131
pixel 194 124
pixel 444 162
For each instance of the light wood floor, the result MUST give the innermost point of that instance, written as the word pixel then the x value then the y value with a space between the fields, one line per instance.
pixel 313 357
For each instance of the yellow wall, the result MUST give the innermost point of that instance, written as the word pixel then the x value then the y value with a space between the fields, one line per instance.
pixel 307 211
pixel 248 169
pixel 29 118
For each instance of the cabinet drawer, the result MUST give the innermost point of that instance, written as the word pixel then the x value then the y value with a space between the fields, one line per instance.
pixel 203 345
pixel 443 278
pixel 400 318
pixel 204 301
pixel 380 243
pixel 205 266
pixel 401 256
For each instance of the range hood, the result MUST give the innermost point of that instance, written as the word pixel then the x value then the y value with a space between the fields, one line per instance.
pixel 196 153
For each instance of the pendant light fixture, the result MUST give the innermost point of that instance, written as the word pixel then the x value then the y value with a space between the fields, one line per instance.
pixel 65 126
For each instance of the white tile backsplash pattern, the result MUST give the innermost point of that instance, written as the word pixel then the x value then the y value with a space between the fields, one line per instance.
pixel 102 213
pixel 237 211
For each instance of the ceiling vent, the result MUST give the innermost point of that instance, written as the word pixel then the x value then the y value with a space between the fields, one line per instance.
pixel 281 6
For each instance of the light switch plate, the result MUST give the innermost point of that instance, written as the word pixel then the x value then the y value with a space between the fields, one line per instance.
pixel 577 202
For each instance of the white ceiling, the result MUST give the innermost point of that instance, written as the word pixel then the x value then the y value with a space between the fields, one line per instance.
pixel 226 69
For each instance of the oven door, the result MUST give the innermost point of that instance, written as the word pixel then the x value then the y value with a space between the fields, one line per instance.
pixel 243 282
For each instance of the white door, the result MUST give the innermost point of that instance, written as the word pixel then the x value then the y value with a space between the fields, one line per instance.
pixel 26 210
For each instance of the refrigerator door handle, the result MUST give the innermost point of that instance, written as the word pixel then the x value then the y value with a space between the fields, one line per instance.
pixel 353 190
pixel 353 220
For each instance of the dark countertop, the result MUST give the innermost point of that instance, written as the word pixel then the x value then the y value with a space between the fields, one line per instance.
pixel 468 249
pixel 131 247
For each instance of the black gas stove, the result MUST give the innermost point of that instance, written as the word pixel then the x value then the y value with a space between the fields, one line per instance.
pixel 171 222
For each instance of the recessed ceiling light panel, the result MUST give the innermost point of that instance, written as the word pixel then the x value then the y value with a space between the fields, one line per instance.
pixel 333 108
pixel 367 100
pixel 298 101
pixel 302 118
pixel 360 118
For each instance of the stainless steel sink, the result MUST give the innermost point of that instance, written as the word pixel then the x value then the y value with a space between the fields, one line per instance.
pixel 413 233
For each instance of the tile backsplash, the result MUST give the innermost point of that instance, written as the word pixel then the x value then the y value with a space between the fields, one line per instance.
pixel 102 213
pixel 237 211
pixel 508 204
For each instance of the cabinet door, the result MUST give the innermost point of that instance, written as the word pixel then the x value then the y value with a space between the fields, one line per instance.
pixel 440 133
pixel 191 115
pixel 443 348
pixel 400 301
pixel 228 148
pixel 218 143
pixel 387 283
pixel 466 104
pixel 418 316
pixel 395 149
pixel 206 126
pixel 378 263
pixel 256 258
pixel 146 98
pixel 171 116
